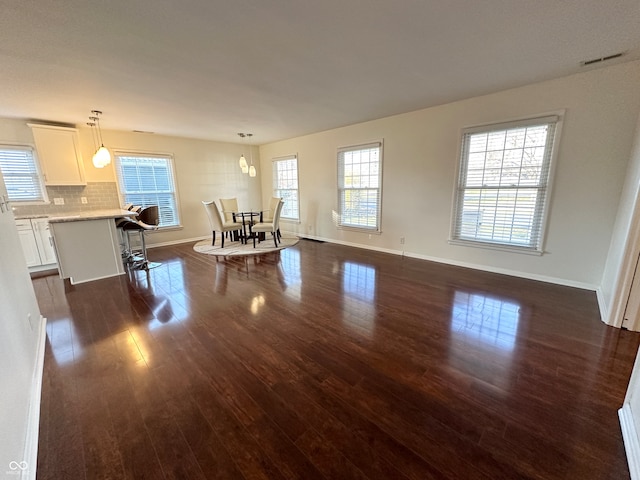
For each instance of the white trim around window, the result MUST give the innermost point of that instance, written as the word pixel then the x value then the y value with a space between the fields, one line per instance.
pixel 285 186
pixel 504 184
pixel 360 187
pixel 22 175
pixel 147 179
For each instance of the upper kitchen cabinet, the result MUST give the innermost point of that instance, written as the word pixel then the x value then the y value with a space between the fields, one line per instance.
pixel 59 154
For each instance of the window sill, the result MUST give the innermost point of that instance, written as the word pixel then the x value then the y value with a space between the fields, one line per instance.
pixel 496 246
pixel 167 229
pixel 370 231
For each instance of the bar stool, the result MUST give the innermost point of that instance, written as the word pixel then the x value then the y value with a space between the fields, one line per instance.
pixel 125 248
pixel 147 220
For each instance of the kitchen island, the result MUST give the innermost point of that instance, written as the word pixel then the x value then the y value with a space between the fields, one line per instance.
pixel 87 244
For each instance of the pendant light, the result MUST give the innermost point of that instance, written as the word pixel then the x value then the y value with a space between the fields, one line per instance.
pixel 252 169
pixel 244 166
pixel 102 157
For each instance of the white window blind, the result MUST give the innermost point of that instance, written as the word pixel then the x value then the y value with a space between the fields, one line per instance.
pixel 21 174
pixel 285 185
pixel 145 180
pixel 503 184
pixel 359 186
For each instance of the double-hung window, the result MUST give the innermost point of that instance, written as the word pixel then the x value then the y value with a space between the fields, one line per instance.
pixel 360 186
pixel 503 182
pixel 147 179
pixel 21 174
pixel 285 186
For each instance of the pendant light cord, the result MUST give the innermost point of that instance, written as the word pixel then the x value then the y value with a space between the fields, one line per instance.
pixel 92 124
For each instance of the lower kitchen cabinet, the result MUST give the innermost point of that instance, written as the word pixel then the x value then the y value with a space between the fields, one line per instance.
pixel 36 241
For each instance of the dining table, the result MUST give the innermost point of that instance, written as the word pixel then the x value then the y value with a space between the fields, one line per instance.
pixel 248 220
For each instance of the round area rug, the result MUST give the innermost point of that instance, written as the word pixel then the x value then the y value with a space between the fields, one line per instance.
pixel 237 248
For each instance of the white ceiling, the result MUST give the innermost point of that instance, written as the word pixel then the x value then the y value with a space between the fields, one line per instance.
pixel 283 68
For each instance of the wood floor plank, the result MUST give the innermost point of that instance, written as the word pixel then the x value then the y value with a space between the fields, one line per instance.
pixel 329 362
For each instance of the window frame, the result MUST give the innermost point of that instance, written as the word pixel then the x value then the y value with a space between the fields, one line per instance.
pixel 117 154
pixel 377 229
pixel 276 190
pixel 39 176
pixel 541 213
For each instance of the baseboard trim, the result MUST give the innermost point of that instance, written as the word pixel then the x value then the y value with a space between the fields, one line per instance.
pixel 177 242
pixel 502 271
pixel 33 426
pixel 603 307
pixel 630 438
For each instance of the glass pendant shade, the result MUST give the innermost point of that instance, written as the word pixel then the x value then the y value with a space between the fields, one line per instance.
pixel 245 169
pixel 102 157
pixel 252 171
pixel 243 163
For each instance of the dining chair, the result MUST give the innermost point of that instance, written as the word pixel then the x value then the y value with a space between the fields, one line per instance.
pixel 216 222
pixel 268 227
pixel 267 215
pixel 229 208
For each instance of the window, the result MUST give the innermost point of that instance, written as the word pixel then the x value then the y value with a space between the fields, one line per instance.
pixel 359 186
pixel 502 186
pixel 285 186
pixel 147 179
pixel 21 174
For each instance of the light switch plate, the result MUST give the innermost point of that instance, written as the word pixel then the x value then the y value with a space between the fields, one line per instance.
pixel 58 201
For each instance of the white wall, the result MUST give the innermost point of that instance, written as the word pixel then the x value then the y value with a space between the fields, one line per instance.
pixel 421 152
pixel 21 341
pixel 624 248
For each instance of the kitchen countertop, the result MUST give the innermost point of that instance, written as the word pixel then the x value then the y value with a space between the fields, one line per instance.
pixel 27 217
pixel 91 215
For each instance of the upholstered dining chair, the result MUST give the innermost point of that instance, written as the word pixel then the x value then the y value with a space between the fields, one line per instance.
pixel 216 222
pixel 268 227
pixel 267 215
pixel 229 208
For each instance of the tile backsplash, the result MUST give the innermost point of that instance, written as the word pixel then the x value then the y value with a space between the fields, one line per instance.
pixel 99 195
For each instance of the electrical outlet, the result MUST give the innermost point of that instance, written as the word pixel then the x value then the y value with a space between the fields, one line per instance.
pixel 369 236
pixel 58 201
pixel 401 240
pixel 83 200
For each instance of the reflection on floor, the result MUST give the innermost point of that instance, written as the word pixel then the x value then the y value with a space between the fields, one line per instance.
pixel 325 361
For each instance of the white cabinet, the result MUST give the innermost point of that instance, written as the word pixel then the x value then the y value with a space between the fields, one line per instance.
pixel 59 154
pixel 37 243
pixel 28 242
pixel 44 240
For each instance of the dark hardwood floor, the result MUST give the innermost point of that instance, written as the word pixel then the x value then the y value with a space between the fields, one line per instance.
pixel 328 362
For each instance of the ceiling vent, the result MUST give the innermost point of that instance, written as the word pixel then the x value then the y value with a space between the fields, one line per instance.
pixel 602 59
